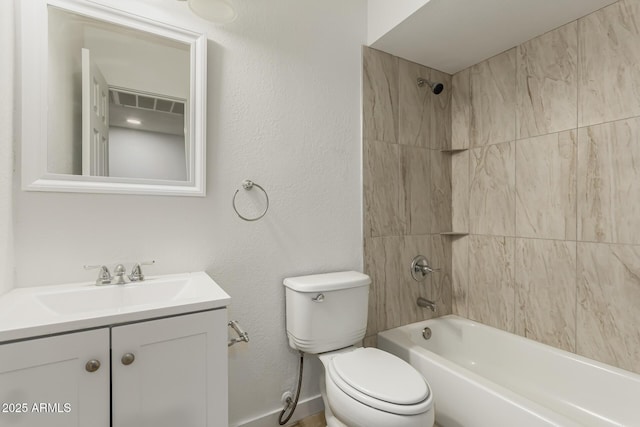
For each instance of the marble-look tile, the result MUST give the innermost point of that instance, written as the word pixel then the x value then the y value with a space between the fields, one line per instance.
pixel 384 206
pixel 440 193
pixel 608 301
pixel 547 83
pixel 379 95
pixel 493 100
pixel 440 106
pixel 370 341
pixel 440 257
pixel 492 190
pixel 461 109
pixel 416 188
pixel 608 58
pixel 414 104
pixel 609 182
pixel 374 268
pixel 459 275
pixel 460 191
pixel 546 291
pixel 412 246
pixel 491 295
pixel 398 292
pixel 381 262
pixel 546 186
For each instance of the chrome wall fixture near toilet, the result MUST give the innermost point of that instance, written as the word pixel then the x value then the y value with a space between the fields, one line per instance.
pixel 360 387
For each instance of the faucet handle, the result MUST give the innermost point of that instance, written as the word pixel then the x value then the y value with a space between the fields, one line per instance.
pixel 104 276
pixel 420 268
pixel 136 272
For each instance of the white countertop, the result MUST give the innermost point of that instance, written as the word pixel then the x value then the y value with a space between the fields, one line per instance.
pixel 32 312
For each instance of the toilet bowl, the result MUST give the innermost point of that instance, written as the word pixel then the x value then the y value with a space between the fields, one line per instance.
pixel 361 387
pixel 367 387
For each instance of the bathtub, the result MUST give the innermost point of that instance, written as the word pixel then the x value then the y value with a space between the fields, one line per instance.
pixel 484 377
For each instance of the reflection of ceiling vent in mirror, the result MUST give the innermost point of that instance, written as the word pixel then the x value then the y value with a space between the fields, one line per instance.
pixel 126 99
pixel 164 105
pixel 145 111
pixel 178 108
pixel 146 101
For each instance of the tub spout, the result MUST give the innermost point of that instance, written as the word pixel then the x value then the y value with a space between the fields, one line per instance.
pixel 425 303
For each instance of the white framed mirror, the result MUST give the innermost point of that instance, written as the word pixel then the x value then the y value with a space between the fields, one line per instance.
pixel 111 102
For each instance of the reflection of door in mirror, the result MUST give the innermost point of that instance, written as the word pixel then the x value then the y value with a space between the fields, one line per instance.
pixel 97 66
pixel 95 119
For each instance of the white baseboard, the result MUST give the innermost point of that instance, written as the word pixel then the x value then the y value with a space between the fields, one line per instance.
pixel 305 408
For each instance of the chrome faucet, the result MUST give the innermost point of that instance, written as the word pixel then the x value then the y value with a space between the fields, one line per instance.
pixel 425 303
pixel 420 268
pixel 119 274
pixel 104 276
pixel 136 272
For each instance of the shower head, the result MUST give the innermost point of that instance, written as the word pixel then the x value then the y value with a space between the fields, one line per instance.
pixel 436 88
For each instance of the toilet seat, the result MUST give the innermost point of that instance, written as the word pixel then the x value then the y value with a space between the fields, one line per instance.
pixel 380 380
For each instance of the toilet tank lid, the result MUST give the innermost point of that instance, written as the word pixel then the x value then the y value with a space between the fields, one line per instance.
pixel 327 281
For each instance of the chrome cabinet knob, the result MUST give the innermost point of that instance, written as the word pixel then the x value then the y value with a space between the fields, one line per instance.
pixel 127 359
pixel 92 365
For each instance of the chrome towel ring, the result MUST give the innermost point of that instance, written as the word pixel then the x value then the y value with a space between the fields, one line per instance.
pixel 247 184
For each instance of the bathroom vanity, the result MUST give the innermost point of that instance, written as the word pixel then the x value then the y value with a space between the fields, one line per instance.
pixel 152 353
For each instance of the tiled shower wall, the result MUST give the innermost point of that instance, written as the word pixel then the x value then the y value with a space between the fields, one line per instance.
pixel 550 188
pixel 407 188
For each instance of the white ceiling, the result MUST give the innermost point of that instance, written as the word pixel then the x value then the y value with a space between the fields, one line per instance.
pixel 451 35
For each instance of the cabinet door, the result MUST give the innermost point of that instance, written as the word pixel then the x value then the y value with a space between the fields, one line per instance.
pixel 178 375
pixel 45 383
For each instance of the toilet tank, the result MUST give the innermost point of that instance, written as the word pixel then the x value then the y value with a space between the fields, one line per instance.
pixel 326 312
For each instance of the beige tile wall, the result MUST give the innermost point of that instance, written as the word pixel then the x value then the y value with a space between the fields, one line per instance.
pixel 407 189
pixel 551 191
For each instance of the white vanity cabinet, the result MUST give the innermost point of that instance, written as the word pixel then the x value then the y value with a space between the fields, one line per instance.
pixel 178 375
pixel 166 372
pixel 45 383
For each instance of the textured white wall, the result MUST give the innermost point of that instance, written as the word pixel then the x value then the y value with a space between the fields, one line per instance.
pixel 284 111
pixel 6 146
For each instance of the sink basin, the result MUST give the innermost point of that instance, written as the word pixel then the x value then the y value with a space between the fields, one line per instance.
pixel 114 297
pixel 31 312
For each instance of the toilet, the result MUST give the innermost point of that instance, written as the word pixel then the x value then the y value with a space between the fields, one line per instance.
pixel 360 387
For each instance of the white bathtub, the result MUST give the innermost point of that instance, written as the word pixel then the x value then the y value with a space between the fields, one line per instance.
pixel 482 376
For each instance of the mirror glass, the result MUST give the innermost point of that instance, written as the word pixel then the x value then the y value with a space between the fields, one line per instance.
pixel 116 100
pixel 122 104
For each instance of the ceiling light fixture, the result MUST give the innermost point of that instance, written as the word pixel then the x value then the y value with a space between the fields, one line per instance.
pixel 134 121
pixel 216 11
